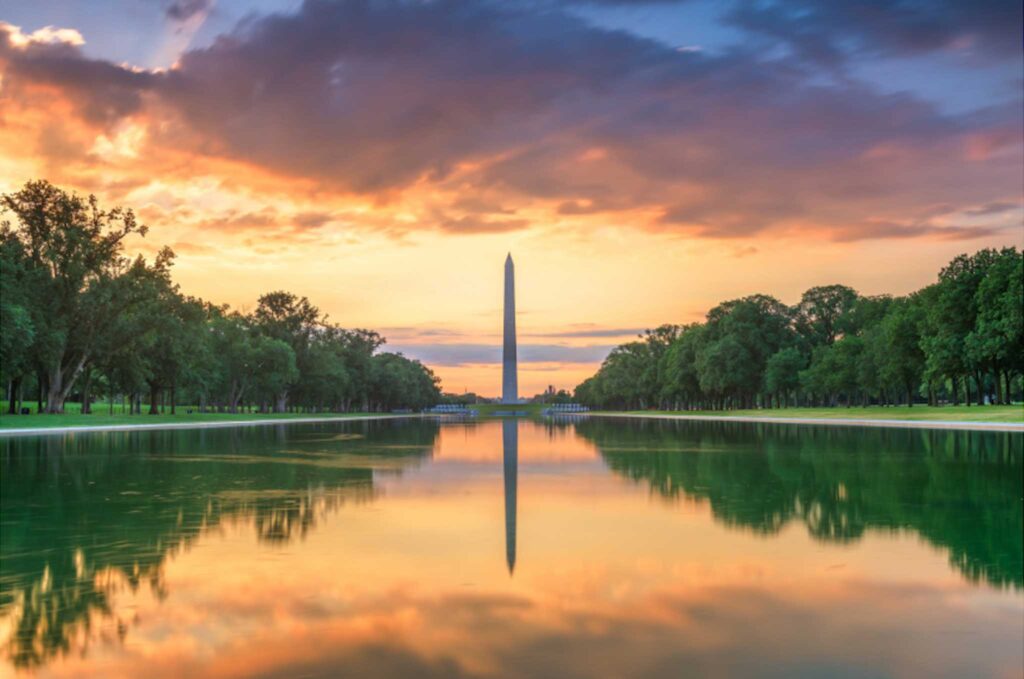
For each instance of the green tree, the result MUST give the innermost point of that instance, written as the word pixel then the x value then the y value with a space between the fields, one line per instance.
pixel 292 320
pixel 76 248
pixel 824 313
pixel 782 373
pixel 399 382
pixel 997 341
pixel 681 383
pixel 16 328
pixel 903 362
pixel 951 317
pixel 741 335
pixel 273 369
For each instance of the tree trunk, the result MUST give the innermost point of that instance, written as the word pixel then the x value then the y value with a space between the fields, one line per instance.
pixel 55 384
pixel 86 384
pixel 281 402
pixel 173 396
pixel 154 393
pixel 12 390
pixel 981 388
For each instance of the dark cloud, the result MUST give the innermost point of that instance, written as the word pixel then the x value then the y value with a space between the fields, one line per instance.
pixel 235 221
pixel 506 104
pixel 103 92
pixel 183 10
pixel 898 230
pixel 470 224
pixel 267 221
pixel 592 332
pixel 311 220
pixel 826 32
pixel 993 208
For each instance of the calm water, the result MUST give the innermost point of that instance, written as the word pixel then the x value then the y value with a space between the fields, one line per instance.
pixel 505 548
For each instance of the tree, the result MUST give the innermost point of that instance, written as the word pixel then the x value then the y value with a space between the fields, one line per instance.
pixel 358 346
pixel 75 248
pixel 753 328
pixel 950 318
pixel 782 373
pixel 398 382
pixel 293 320
pixel 824 313
pixel 232 341
pixel 329 382
pixel 273 369
pixel 681 383
pixel 903 362
pixel 16 328
pixel 657 343
pixel 997 341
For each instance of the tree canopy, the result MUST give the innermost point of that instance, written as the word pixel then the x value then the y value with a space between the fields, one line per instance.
pixel 79 317
pixel 960 337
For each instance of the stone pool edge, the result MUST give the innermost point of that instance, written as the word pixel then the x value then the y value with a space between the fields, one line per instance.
pixel 80 429
pixel 832 421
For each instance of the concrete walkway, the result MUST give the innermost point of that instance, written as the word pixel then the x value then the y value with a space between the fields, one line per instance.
pixel 834 421
pixel 36 431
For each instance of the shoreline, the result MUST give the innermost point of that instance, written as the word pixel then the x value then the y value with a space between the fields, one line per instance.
pixel 79 429
pixel 965 425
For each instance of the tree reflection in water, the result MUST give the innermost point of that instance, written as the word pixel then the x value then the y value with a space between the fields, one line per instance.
pixel 87 516
pixel 959 490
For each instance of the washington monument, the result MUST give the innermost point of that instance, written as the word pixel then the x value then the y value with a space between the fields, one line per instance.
pixel 509 365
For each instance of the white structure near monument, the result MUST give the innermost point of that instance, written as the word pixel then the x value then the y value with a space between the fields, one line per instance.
pixel 509 363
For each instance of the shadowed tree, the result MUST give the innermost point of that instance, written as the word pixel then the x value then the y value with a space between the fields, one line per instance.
pixel 293 320
pixel 16 328
pixel 824 313
pixel 75 249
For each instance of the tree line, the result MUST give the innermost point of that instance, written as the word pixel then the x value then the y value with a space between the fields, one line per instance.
pixel 79 320
pixel 960 339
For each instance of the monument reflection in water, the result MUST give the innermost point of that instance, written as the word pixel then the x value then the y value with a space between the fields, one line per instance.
pixel 510 454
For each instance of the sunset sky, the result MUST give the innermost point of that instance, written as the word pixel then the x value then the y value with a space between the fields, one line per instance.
pixel 642 161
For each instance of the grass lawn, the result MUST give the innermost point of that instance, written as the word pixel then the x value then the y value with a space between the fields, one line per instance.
pixel 1011 413
pixel 101 417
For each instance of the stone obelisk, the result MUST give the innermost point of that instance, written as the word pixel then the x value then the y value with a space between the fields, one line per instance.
pixel 509 364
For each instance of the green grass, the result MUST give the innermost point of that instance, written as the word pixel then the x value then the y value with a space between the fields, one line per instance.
pixel 1011 413
pixel 101 417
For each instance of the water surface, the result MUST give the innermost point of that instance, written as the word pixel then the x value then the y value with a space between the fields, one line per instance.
pixel 513 548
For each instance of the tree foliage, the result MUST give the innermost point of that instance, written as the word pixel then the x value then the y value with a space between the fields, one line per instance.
pixel 961 335
pixel 78 317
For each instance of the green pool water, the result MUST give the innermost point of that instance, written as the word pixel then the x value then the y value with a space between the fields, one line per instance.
pixel 513 548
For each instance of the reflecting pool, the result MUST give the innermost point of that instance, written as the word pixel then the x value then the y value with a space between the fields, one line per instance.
pixel 509 548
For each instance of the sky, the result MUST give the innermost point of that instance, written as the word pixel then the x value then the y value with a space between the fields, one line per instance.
pixel 642 161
